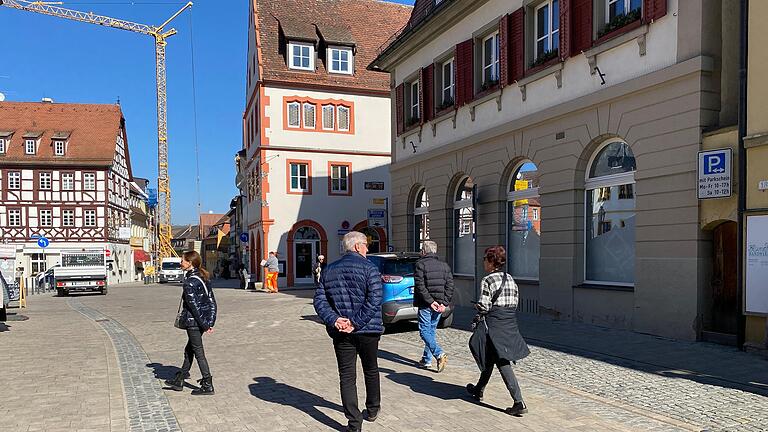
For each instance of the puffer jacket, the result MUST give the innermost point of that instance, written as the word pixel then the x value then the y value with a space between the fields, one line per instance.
pixel 199 304
pixel 350 288
pixel 433 282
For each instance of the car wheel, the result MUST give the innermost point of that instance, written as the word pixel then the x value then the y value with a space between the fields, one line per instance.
pixel 103 291
pixel 446 322
pixel 59 292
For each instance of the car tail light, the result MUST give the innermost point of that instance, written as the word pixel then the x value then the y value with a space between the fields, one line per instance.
pixel 391 279
pixel 100 283
pixel 59 284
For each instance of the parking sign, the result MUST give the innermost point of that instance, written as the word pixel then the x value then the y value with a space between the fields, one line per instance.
pixel 714 179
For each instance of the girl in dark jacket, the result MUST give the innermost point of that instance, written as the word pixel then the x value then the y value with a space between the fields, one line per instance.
pixel 502 341
pixel 197 315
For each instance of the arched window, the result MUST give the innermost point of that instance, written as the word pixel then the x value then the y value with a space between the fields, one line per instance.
pixel 464 228
pixel 610 216
pixel 306 233
pixel 420 219
pixel 524 223
pixel 374 241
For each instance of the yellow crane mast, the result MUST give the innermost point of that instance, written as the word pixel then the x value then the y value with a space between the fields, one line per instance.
pixel 163 212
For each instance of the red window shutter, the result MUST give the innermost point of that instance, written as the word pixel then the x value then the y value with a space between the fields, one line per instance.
pixel 654 9
pixel 565 29
pixel 517 47
pixel 504 51
pixel 428 92
pixel 399 102
pixel 465 84
pixel 581 25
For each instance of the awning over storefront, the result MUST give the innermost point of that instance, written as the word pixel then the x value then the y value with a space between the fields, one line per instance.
pixel 139 255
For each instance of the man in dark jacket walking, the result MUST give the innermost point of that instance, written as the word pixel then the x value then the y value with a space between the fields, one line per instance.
pixel 348 300
pixel 434 291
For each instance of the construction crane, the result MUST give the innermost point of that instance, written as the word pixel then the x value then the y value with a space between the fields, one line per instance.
pixel 163 212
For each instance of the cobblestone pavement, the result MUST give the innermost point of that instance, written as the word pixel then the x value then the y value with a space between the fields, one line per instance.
pixel 274 370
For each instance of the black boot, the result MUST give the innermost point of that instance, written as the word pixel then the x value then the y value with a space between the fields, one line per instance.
pixel 517 410
pixel 476 393
pixel 206 387
pixel 177 383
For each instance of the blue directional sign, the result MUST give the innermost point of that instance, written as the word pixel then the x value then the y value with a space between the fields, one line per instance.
pixel 244 237
pixel 43 242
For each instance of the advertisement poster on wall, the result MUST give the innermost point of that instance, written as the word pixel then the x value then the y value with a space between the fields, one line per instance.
pixel 757 264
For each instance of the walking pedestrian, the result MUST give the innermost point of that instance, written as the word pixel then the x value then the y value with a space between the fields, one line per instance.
pixel 348 300
pixel 197 315
pixel 496 340
pixel 273 268
pixel 319 267
pixel 433 282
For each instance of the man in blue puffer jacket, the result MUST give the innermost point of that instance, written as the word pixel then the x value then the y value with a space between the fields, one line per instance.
pixel 348 300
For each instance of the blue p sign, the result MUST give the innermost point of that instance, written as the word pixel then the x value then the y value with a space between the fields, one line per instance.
pixel 714 163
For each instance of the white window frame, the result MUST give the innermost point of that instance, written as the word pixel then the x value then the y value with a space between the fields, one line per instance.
pixel 350 60
pixel 14 180
pixel 59 148
pixel 14 214
pixel 451 86
pixel 298 176
pixel 592 183
pixel 89 218
pixel 414 105
pixel 291 57
pixel 30 146
pixel 89 181
pixel 46 180
pixel 46 218
pixel 549 34
pixel 68 218
pixel 288 115
pixel 332 110
pixel 67 181
pixel 304 115
pixel 627 5
pixel 3 142
pixel 423 214
pixel 346 179
pixel 516 195
pixel 459 205
pixel 349 118
pixel 494 65
pixel 535 214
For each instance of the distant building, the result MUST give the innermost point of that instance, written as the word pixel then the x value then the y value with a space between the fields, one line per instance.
pixel 316 130
pixel 185 237
pixel 141 218
pixel 65 174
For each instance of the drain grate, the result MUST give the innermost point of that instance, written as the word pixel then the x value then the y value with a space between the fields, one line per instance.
pixel 102 320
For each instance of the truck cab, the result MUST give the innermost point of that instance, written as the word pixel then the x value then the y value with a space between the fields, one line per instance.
pixel 170 270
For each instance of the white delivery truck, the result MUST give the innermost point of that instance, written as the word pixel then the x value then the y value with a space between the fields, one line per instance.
pixel 80 271
pixel 170 270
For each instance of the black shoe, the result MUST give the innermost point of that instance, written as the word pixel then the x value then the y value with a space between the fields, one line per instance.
pixel 474 392
pixel 206 387
pixel 177 383
pixel 372 417
pixel 517 410
pixel 353 429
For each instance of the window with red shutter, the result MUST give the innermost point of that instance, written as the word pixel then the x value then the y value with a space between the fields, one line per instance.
pixel 428 92
pixel 565 29
pixel 504 51
pixel 465 85
pixel 581 26
pixel 654 9
pixel 517 45
pixel 400 108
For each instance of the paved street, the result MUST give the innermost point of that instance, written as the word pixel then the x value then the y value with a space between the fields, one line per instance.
pixel 93 363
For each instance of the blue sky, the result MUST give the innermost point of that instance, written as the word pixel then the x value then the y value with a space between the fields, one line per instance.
pixel 77 62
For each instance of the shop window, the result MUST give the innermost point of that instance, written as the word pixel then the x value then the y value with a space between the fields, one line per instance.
pixel 610 218
pixel 523 223
pixel 420 219
pixel 38 262
pixel 464 228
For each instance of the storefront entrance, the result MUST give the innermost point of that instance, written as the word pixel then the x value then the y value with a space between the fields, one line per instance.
pixel 722 322
pixel 306 248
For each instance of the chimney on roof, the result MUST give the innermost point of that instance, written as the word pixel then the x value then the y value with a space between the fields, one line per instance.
pixel 47 100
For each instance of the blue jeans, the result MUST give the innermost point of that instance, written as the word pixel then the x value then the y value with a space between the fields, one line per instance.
pixel 428 320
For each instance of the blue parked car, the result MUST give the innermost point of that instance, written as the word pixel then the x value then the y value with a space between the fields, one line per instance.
pixel 397 280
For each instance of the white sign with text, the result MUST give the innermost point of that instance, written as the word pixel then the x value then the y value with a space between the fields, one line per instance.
pixel 757 264
pixel 714 171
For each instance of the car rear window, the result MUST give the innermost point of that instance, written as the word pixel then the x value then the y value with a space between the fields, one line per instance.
pixel 398 267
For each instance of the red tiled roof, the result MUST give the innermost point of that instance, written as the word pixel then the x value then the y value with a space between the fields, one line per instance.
pixel 92 131
pixel 369 23
pixel 207 220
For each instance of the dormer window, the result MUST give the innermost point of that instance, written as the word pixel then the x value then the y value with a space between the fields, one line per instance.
pixel 58 148
pixel 301 56
pixel 30 146
pixel 340 60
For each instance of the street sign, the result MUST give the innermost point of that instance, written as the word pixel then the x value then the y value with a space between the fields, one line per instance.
pixel 714 169
pixel 378 201
pixel 390 248
pixel 377 217
pixel 43 242
pixel 762 185
pixel 124 233
pixel 374 185
pixel 107 253
pixel 244 237
pixel 342 232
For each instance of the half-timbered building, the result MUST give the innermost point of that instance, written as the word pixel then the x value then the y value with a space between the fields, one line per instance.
pixel 65 175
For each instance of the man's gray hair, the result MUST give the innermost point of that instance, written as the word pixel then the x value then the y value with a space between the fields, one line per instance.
pixel 352 238
pixel 429 247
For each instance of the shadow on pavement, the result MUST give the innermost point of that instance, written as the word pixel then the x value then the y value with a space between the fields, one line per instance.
pixel 269 390
pixel 313 318
pixel 164 372
pixel 4 327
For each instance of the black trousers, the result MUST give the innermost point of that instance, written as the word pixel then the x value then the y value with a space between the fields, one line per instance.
pixel 505 368
pixel 348 347
pixel 195 350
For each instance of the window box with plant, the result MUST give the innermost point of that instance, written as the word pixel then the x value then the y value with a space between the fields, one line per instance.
pixel 619 22
pixel 545 58
pixel 447 104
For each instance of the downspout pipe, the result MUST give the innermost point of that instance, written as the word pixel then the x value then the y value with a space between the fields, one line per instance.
pixel 742 179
